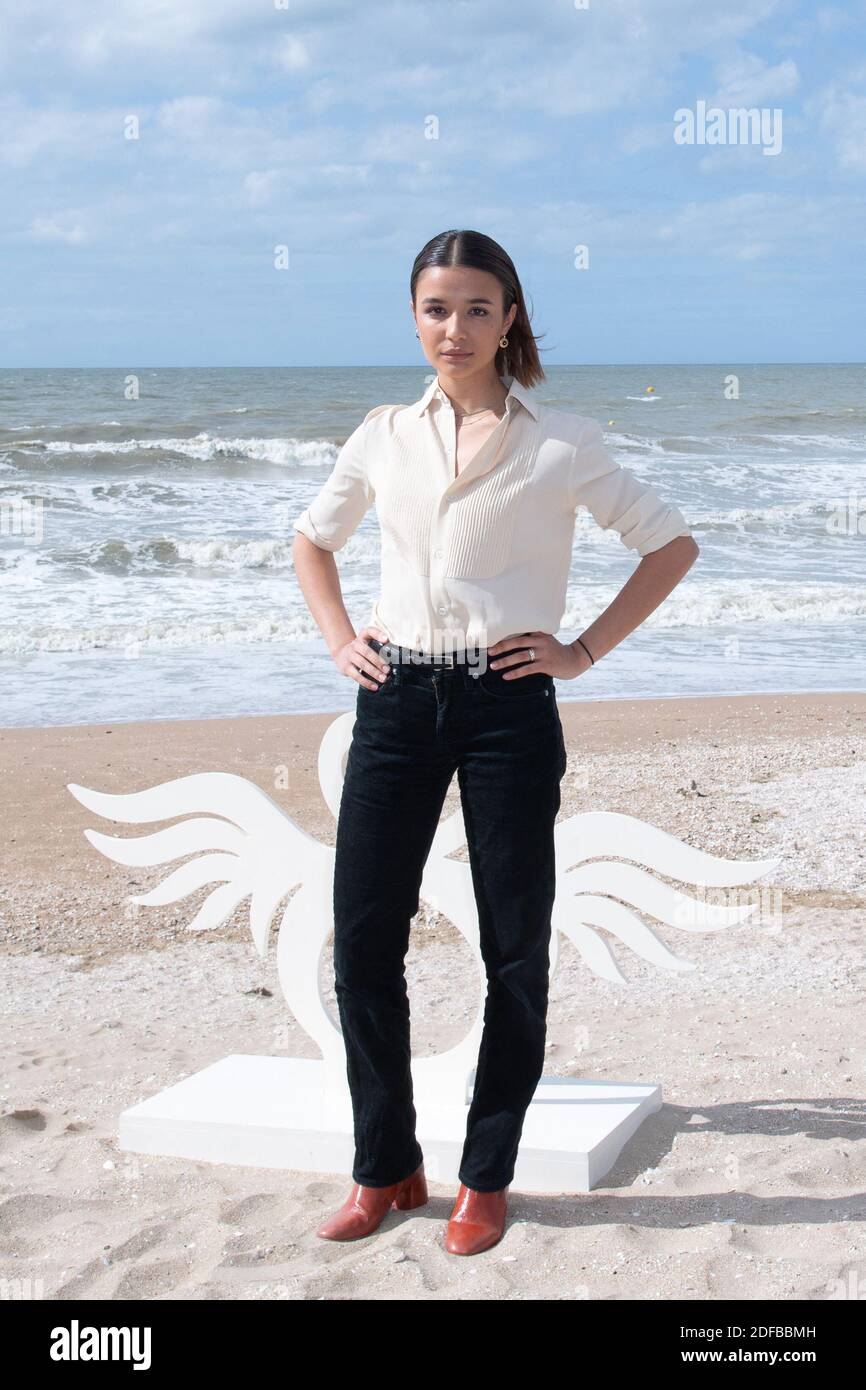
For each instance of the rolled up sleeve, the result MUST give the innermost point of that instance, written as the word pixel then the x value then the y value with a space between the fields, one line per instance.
pixel 617 499
pixel 339 508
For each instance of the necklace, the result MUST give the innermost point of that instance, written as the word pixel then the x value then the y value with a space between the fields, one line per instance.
pixel 467 414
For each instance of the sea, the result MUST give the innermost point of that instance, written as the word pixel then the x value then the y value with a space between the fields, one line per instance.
pixel 146 534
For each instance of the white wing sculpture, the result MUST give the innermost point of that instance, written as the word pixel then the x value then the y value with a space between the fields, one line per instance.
pixel 249 846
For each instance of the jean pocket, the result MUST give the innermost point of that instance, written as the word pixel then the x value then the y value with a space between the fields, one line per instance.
pixel 538 686
pixel 389 683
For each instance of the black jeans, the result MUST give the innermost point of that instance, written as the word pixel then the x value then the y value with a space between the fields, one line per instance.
pixel 504 739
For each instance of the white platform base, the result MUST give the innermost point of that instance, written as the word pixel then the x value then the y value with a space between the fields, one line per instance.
pixel 278 1112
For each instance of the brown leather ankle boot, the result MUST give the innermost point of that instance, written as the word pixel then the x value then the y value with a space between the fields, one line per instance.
pixel 477 1221
pixel 366 1207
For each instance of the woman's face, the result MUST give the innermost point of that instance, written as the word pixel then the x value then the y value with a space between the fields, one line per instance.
pixel 459 310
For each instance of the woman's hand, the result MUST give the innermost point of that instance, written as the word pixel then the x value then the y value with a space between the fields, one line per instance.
pixel 552 657
pixel 358 656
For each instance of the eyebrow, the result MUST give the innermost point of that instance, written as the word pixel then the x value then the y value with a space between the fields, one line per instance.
pixel 434 299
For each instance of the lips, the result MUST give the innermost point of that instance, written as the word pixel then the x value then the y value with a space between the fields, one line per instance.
pixel 457 354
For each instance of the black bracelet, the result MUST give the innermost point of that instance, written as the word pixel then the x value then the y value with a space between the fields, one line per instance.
pixel 586 649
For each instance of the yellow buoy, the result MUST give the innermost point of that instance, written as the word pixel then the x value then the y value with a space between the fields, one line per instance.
pixel 650 388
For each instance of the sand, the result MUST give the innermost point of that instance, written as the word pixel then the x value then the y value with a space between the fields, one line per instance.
pixel 748 1183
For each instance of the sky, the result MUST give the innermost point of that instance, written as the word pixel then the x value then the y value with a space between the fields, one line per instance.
pixel 156 157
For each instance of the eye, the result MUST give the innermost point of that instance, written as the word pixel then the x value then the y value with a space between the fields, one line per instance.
pixel 435 308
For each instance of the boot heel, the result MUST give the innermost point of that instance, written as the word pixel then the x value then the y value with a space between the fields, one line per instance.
pixel 414 1194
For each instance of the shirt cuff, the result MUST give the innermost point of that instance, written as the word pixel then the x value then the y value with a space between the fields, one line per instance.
pixel 674 525
pixel 305 525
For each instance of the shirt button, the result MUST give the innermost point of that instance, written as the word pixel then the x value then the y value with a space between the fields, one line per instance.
pixel 443 610
pixel 438 554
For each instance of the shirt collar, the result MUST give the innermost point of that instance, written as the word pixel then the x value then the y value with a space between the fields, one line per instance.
pixel 516 392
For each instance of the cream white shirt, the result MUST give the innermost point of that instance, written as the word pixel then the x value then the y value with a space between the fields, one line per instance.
pixel 470 559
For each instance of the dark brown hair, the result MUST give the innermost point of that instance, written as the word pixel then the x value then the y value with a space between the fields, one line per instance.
pixel 479 252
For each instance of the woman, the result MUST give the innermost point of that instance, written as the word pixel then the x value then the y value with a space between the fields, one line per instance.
pixel 476 487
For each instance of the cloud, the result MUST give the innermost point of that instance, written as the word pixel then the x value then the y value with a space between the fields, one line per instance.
pixel 292 54
pixel 52 135
pixel 192 117
pixel 67 227
pixel 260 186
pixel 744 226
pixel 488 54
pixel 746 80
pixel 752 225
pixel 841 113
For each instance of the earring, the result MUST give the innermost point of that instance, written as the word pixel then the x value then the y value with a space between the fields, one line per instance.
pixel 417 334
pixel 503 341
